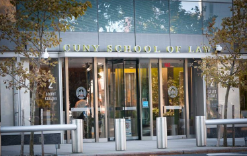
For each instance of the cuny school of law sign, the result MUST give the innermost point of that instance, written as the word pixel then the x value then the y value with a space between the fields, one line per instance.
pixel 137 48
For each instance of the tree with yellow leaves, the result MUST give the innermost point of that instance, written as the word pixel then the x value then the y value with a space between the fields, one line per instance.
pixel 225 66
pixel 32 26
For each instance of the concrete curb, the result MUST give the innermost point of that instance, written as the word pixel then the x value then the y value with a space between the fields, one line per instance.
pixel 201 151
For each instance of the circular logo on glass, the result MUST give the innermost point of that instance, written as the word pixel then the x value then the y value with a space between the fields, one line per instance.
pixel 172 91
pixel 81 92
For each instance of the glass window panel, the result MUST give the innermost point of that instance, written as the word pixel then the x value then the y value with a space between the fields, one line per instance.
pixel 215 10
pixel 186 17
pixel 115 91
pixel 85 23
pixel 145 102
pixel 131 114
pixel 228 1
pixel 110 101
pixel 152 16
pixel 101 97
pixel 48 99
pixel 81 93
pixel 116 16
pixel 122 96
pixel 38 18
pixel 212 101
pixel 192 106
pixel 155 92
pixel 188 0
pixel 173 95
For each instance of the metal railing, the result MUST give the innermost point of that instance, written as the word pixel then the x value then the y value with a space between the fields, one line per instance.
pixel 225 121
pixel 37 128
pixel 216 122
pixel 76 127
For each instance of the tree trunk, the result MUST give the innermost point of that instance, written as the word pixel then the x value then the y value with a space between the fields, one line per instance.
pixel 225 114
pixel 22 134
pixel 22 143
pixel 33 92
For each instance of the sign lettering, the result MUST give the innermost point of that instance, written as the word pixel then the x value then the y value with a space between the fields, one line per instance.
pixel 137 48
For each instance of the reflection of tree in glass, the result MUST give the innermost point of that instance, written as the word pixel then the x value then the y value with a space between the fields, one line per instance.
pixel 152 16
pixel 184 21
pixel 42 91
pixel 87 22
pixel 115 16
pixel 216 11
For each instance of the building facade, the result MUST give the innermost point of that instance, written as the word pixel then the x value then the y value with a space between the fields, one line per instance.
pixel 132 59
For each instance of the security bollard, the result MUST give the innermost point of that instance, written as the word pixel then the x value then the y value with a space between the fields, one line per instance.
pixel 77 136
pixel 120 135
pixel 200 131
pixel 161 132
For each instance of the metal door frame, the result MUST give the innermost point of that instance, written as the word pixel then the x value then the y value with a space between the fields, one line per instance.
pixel 137 93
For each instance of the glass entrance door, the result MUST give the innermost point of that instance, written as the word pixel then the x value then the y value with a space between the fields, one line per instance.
pixel 122 96
pixel 173 96
pixel 81 93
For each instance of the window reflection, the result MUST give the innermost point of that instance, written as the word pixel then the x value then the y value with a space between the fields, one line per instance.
pixel 101 98
pixel 48 98
pixel 155 92
pixel 212 101
pixel 81 93
pixel 186 17
pixel 115 16
pixel 173 95
pixel 152 16
pixel 85 23
pixel 145 102
pixel 215 10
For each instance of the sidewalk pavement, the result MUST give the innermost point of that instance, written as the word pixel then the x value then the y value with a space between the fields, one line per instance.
pixel 133 148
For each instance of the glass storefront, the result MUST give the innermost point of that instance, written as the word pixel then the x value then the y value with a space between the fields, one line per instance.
pixel 139 90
